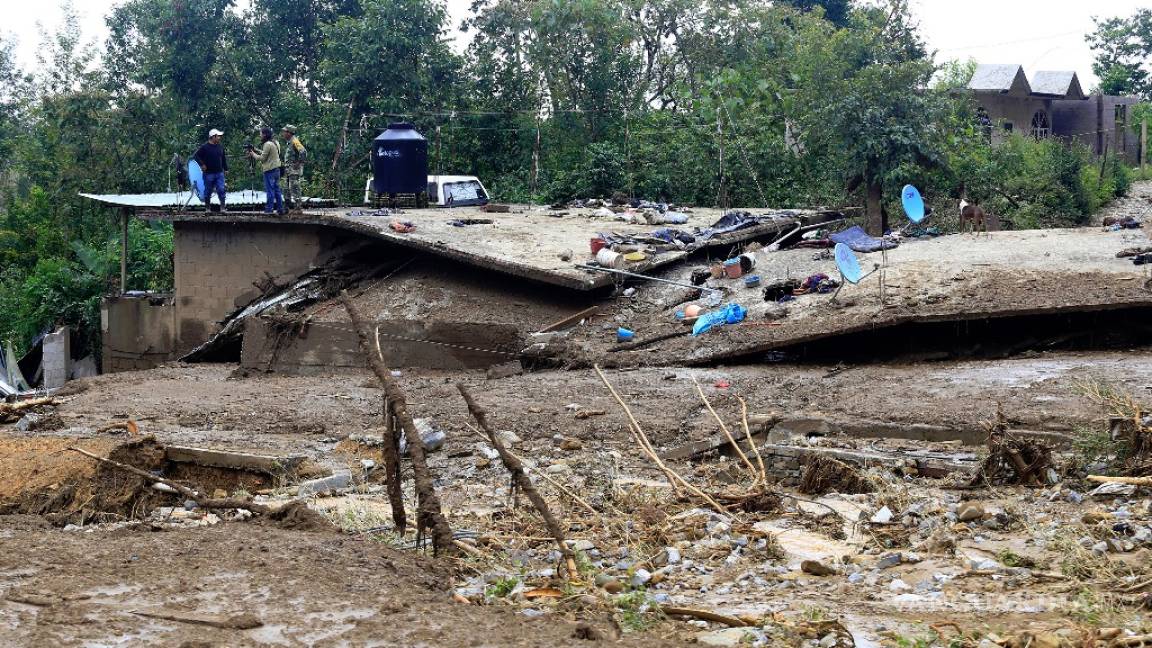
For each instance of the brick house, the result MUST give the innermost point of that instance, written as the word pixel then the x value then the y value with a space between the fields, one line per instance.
pixel 1053 104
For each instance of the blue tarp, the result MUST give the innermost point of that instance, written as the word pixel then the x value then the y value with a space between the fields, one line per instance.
pixel 730 314
pixel 859 241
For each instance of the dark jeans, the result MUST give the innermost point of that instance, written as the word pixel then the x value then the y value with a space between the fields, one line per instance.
pixel 274 200
pixel 214 182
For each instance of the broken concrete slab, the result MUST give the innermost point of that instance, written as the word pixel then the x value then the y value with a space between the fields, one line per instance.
pixel 281 466
pixel 1028 288
pixel 528 242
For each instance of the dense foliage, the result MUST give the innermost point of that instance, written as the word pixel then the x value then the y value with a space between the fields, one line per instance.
pixel 728 102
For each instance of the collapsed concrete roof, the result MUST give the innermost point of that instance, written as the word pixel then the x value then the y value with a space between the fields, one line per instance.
pixel 953 279
pixel 532 243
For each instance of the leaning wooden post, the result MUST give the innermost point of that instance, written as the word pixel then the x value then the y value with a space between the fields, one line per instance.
pixel 516 467
pixel 393 479
pixel 429 515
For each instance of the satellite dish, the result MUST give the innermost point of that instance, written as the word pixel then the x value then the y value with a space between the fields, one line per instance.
pixel 848 264
pixel 913 203
pixel 196 179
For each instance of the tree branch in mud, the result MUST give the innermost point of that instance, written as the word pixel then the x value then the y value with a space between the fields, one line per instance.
pixel 429 514
pixel 201 501
pixel 520 477
pixel 642 439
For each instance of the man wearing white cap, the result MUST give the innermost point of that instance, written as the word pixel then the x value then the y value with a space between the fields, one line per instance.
pixel 214 163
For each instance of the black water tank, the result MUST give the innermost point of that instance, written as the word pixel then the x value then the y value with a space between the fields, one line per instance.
pixel 400 161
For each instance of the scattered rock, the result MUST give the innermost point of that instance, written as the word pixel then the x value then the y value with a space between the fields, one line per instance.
pixel 725 637
pixel 883 516
pixel 889 560
pixel 571 445
pixel 505 370
pixel 969 511
pixel 817 568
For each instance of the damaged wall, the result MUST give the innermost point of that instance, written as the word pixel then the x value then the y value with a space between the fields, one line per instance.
pixel 325 347
pixel 219 265
pixel 138 331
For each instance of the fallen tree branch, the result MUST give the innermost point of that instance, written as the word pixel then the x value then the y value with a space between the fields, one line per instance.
pixel 245 621
pixel 1134 481
pixel 429 514
pixel 520 477
pixel 751 441
pixel 703 615
pixel 638 433
pixel 11 410
pixel 573 496
pixel 724 428
pixel 201 501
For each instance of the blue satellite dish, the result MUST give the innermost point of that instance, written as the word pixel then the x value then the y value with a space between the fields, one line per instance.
pixel 848 264
pixel 196 179
pixel 913 203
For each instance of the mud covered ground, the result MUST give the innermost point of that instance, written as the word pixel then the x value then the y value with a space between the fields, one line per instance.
pixel 302 588
pixel 360 584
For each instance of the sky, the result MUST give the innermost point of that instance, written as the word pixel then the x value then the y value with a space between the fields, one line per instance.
pixel 1040 35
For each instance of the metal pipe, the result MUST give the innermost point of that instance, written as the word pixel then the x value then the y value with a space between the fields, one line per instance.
pixel 640 276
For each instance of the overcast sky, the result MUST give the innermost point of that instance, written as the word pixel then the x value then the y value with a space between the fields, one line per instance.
pixel 1039 35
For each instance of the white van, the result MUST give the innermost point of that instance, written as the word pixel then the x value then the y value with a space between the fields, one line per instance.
pixel 446 191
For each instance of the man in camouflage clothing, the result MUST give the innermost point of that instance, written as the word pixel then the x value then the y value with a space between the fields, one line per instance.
pixel 294 156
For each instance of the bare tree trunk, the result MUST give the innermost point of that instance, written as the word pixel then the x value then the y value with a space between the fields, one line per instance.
pixel 429 515
pixel 520 476
pixel 874 211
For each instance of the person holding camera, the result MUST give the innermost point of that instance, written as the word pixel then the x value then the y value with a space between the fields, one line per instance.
pixel 269 158
pixel 293 166
pixel 214 163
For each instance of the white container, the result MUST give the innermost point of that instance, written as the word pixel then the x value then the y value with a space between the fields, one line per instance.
pixel 609 259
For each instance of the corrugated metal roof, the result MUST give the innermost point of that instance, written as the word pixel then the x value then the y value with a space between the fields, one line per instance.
pixel 991 77
pixel 1062 83
pixel 180 200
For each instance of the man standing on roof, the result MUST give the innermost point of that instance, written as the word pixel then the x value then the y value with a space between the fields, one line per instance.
pixel 294 158
pixel 210 156
pixel 269 158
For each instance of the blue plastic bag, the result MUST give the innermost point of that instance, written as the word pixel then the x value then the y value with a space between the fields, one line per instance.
pixel 729 314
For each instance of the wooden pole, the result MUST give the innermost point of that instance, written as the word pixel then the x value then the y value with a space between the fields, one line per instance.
pixel 429 515
pixel 516 468
pixel 124 213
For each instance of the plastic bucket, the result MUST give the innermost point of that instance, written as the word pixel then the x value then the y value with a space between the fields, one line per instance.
pixel 609 259
pixel 597 244
pixel 747 261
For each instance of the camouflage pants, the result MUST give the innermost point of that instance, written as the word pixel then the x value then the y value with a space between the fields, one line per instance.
pixel 292 193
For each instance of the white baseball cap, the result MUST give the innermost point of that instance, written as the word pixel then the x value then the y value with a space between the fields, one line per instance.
pixel 214 132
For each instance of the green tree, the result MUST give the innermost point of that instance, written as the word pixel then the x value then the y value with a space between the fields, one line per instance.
pixel 863 103
pixel 1123 48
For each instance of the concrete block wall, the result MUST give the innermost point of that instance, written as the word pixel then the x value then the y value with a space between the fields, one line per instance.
pixel 138 331
pixel 57 358
pixel 217 267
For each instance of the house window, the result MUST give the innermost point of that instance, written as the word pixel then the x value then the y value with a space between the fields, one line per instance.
pixel 1040 126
